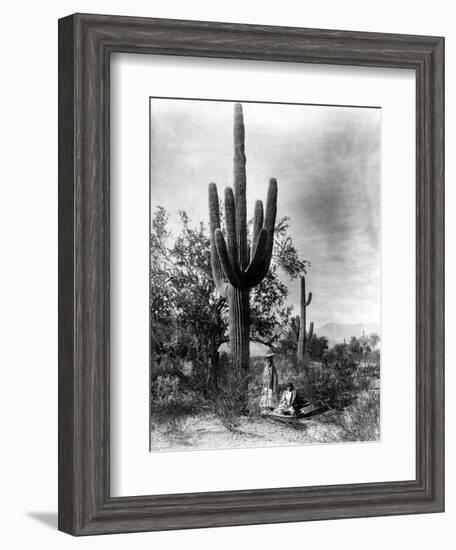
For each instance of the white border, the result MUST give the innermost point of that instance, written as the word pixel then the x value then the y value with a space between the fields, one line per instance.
pixel 134 470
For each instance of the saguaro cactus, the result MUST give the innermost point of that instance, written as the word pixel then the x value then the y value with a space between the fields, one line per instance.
pixel 238 265
pixel 303 335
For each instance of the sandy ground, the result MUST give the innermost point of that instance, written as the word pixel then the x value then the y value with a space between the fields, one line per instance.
pixel 206 431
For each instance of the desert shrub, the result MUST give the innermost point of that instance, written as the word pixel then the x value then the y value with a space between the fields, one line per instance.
pixel 332 384
pixel 170 417
pixel 255 383
pixel 372 370
pixel 165 388
pixel 361 420
pixel 172 403
pixel 374 357
pixel 233 395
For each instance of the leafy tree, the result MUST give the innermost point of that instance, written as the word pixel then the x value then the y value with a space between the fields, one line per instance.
pixel 162 312
pixel 374 339
pixel 188 318
pixel 192 325
pixel 317 346
pixel 337 353
pixel 355 345
pixel 288 343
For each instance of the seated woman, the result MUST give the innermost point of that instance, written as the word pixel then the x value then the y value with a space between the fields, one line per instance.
pixel 270 385
pixel 287 401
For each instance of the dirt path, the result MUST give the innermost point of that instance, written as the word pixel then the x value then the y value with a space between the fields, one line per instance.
pixel 206 431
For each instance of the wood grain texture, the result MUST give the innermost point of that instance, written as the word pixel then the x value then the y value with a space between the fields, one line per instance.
pixel 66 276
pixel 85 45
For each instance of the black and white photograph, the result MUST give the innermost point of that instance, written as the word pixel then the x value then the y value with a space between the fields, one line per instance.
pixel 264 274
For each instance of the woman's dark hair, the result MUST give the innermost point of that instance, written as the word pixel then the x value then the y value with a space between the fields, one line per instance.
pixel 290 385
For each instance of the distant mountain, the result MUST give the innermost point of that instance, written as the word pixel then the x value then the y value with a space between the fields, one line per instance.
pixel 336 332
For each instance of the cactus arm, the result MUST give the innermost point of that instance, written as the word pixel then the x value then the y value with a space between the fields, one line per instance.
pixel 258 257
pixel 227 266
pixel 214 213
pixel 269 225
pixel 271 206
pixel 309 299
pixel 240 182
pixel 230 222
pixel 257 225
pixel 295 328
pixel 311 330
pixel 214 223
pixel 270 219
pixel 301 351
pixel 303 305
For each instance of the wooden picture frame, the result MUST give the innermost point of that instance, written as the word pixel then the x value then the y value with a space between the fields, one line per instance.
pixel 85 45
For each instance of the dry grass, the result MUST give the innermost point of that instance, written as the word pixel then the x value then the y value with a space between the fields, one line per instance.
pixel 360 421
pixel 207 431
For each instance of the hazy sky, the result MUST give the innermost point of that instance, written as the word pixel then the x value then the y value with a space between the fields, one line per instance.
pixel 327 164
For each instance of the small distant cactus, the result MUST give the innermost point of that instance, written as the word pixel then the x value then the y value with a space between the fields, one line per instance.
pixel 238 265
pixel 300 323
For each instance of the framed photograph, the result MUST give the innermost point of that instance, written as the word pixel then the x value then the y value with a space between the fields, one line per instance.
pixel 251 274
